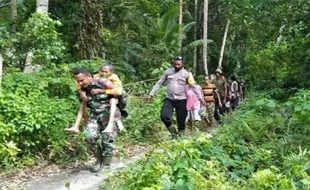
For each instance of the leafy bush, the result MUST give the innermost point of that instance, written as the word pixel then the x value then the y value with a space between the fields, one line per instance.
pixel 261 147
pixel 34 110
pixel 142 124
pixel 6 40
pixel 36 107
pixel 39 36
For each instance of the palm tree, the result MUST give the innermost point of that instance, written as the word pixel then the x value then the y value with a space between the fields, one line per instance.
pixel 223 44
pixel 205 36
pixel 195 38
pixel 180 24
pixel 168 32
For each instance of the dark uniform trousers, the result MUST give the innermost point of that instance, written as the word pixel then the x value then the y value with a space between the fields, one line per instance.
pixel 167 112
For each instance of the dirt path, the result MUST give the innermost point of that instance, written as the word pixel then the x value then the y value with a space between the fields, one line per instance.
pixel 71 177
pixel 77 179
pixel 75 176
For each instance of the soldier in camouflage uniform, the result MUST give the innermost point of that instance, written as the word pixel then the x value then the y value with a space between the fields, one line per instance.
pixel 221 85
pixel 102 144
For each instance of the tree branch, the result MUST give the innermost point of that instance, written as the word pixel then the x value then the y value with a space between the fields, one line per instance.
pixel 5 5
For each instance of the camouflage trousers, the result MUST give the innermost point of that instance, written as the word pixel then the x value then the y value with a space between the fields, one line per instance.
pixel 96 138
pixel 208 115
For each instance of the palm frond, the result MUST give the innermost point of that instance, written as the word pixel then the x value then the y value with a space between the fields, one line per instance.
pixel 196 43
pixel 169 23
pixel 187 27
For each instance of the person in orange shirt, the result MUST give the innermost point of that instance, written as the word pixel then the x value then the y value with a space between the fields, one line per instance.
pixel 209 91
pixel 106 71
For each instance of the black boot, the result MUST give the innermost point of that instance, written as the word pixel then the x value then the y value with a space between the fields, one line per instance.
pixel 97 166
pixel 181 132
pixel 106 161
pixel 173 132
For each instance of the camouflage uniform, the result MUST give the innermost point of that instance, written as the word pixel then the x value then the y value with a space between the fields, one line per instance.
pixel 221 85
pixel 99 118
pixel 209 113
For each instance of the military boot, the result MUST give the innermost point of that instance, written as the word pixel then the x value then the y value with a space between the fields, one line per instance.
pixel 213 123
pixel 173 132
pixel 106 161
pixel 97 166
pixel 181 132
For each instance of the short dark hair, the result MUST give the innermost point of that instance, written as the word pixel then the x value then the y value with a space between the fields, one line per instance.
pixel 177 58
pixel 108 64
pixel 233 78
pixel 81 71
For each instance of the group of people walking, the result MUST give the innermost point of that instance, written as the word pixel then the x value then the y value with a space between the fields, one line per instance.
pixel 105 99
pixel 208 102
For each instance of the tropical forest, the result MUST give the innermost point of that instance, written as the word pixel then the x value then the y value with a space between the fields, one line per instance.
pixel 154 94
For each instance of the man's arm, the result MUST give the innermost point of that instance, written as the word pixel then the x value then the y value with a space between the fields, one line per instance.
pixel 225 86
pixel 218 97
pixel 159 83
pixel 196 89
pixel 105 85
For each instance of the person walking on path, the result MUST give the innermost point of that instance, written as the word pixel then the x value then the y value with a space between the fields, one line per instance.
pixel 234 92
pixel 193 106
pixel 209 92
pixel 177 78
pixel 105 71
pixel 221 85
pixel 98 102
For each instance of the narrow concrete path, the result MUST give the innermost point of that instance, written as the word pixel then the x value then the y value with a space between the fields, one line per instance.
pixel 77 179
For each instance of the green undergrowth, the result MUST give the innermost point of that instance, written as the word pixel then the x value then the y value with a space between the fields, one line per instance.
pixel 143 126
pixel 35 108
pixel 263 145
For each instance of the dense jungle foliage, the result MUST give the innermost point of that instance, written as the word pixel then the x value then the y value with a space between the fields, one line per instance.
pixel 264 145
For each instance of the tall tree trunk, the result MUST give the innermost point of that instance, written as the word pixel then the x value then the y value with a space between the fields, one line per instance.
pixel 42 6
pixel 195 38
pixel 13 10
pixel 1 71
pixel 205 36
pixel 89 41
pixel 200 36
pixel 180 25
pixel 13 7
pixel 223 44
pixel 13 14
